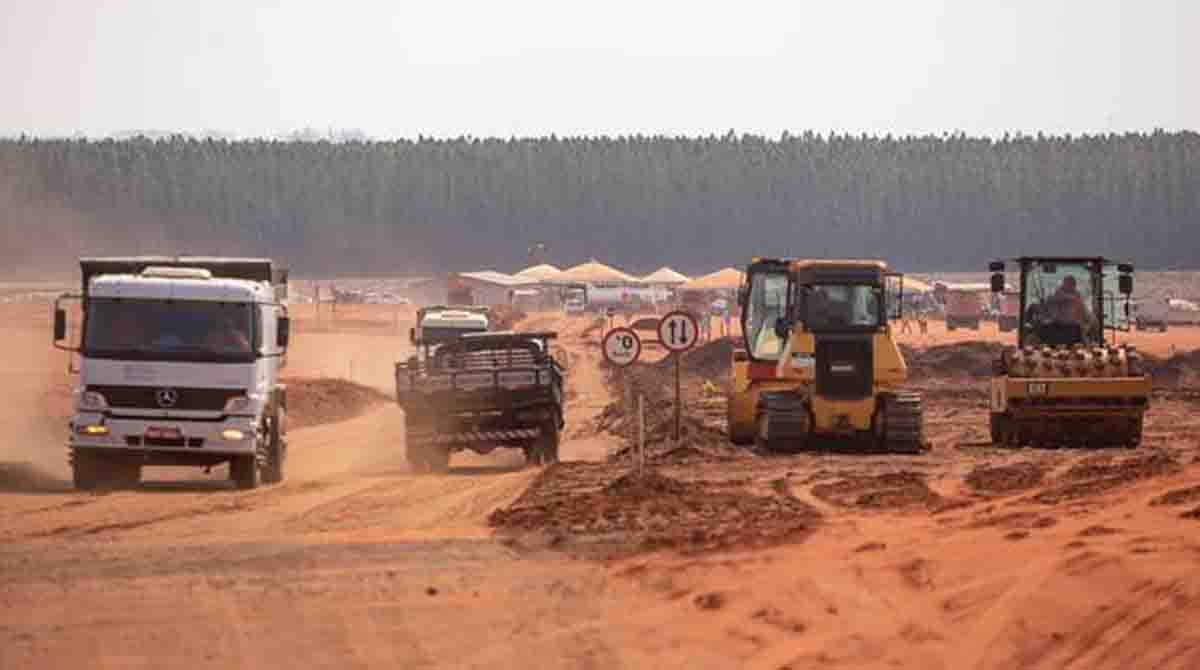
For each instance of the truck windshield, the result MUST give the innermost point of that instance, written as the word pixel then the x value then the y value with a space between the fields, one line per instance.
pixel 178 330
pixel 765 304
pixel 831 307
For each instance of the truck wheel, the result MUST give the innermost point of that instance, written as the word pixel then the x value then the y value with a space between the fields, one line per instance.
pixel 243 470
pixel 274 450
pixel 1001 430
pixel 86 470
pixel 547 444
pixel 91 471
pixel 437 458
pixel 415 455
pixel 126 475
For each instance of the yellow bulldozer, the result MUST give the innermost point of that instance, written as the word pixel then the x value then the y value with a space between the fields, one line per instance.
pixel 823 326
pixel 1063 384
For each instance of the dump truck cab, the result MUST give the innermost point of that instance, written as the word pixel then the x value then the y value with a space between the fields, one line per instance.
pixel 842 367
pixel 179 362
pixel 1063 383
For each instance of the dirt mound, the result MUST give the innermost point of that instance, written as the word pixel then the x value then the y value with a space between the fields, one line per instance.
pixel 649 323
pixel 1178 371
pixel 594 328
pixel 1177 497
pixel 655 383
pixel 1100 474
pixel 644 485
pixel 1005 478
pixel 970 359
pixel 590 506
pixel 314 401
pixel 893 490
pixel 711 361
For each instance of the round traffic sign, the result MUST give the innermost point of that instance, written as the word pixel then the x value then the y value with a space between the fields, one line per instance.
pixel 678 331
pixel 621 346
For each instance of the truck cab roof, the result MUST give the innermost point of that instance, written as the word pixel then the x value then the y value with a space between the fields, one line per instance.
pixel 453 319
pixel 229 278
pixel 216 289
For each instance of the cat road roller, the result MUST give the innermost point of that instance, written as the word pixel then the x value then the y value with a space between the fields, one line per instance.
pixel 1063 384
pixel 838 374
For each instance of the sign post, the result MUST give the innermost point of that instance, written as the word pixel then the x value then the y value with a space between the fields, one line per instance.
pixel 678 332
pixel 622 347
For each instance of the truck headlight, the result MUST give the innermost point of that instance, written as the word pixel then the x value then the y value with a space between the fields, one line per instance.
pixel 239 403
pixel 93 430
pixel 91 400
pixel 233 435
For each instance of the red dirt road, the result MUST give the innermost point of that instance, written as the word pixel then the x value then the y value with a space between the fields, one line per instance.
pixel 963 557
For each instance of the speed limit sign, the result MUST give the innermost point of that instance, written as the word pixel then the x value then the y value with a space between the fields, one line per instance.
pixel 678 331
pixel 621 347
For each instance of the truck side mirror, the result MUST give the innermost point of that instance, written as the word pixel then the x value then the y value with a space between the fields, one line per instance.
pixel 60 324
pixel 1125 284
pixel 996 266
pixel 283 332
pixel 998 282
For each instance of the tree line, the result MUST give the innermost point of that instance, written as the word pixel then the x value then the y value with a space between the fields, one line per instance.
pixel 925 203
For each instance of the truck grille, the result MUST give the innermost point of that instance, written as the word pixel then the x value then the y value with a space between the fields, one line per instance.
pixel 186 399
pixel 135 441
pixel 844 368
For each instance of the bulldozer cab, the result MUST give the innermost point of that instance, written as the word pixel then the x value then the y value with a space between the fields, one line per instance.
pixel 1069 301
pixel 765 299
pixel 841 296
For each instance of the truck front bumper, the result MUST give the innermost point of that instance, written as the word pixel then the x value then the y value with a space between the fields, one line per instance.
pixel 235 435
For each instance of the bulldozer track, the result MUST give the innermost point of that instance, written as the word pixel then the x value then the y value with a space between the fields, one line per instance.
pixel 903 423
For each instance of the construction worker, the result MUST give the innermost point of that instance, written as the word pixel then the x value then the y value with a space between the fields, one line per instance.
pixel 1071 306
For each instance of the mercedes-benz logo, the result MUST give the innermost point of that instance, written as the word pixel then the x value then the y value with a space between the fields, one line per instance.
pixel 166 397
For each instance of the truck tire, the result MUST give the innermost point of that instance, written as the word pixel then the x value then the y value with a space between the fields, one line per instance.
pixel 86 470
pixel 90 471
pixel 243 470
pixel 547 443
pixel 415 456
pixel 437 458
pixel 1001 430
pixel 273 452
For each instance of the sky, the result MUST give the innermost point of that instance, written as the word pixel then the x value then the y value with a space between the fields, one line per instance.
pixel 528 68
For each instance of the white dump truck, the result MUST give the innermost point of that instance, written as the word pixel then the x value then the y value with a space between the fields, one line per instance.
pixel 179 362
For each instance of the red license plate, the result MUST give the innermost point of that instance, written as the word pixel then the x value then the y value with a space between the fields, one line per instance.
pixel 162 433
